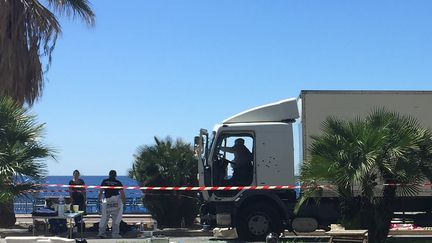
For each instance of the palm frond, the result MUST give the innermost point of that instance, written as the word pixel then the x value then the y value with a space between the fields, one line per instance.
pixel 74 8
pixel 26 29
pixel 28 34
pixel 311 192
pixel 22 154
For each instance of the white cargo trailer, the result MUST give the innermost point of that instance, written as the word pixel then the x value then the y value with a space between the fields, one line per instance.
pixel 317 105
pixel 267 132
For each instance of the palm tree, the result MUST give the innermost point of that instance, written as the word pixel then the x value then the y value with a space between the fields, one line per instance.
pixel 360 156
pixel 167 163
pixel 21 156
pixel 28 34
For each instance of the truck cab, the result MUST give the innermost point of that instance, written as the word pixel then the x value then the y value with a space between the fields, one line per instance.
pixel 267 132
pixel 269 138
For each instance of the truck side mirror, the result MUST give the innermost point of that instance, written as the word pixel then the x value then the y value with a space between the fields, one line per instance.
pixel 197 145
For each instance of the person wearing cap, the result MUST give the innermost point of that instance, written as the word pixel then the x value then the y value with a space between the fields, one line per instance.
pixel 242 162
pixel 112 200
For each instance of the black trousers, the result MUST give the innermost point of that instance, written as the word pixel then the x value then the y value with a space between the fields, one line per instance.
pixel 78 199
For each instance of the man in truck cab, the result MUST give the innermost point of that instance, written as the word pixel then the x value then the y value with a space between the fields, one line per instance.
pixel 242 163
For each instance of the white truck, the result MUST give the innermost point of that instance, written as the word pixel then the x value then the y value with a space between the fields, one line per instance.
pixel 268 132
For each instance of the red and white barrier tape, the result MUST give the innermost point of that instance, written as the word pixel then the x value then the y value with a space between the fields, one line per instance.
pixel 173 188
pixel 199 188
pixel 88 191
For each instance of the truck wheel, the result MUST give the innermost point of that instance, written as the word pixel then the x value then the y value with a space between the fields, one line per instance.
pixel 256 221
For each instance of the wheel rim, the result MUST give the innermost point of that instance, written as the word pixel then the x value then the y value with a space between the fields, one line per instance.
pixel 258 224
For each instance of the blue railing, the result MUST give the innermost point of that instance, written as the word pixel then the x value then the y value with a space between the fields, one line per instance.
pixel 26 205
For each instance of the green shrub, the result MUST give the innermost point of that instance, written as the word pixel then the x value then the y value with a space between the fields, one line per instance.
pixel 167 163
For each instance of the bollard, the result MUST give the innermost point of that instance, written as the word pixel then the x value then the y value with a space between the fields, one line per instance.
pixel 272 238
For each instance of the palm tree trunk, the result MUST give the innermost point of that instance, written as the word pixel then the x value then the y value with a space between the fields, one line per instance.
pixel 7 215
pixel 380 222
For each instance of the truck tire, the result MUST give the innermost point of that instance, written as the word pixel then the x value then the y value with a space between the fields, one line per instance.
pixel 256 221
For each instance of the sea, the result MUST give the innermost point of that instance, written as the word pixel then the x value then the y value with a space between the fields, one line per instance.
pixel 26 204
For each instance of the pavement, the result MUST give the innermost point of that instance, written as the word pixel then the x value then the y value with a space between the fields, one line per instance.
pixel 182 235
pixel 175 239
pixel 171 239
pixel 175 235
pixel 207 239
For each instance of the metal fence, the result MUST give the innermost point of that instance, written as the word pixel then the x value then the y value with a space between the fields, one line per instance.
pixel 26 205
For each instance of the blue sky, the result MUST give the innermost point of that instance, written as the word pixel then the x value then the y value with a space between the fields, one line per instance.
pixel 158 68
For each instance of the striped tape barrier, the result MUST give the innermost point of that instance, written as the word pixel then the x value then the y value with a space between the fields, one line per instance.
pixel 174 188
pixel 88 191
pixel 203 188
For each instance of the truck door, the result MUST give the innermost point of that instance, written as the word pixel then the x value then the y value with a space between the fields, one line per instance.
pixel 233 160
